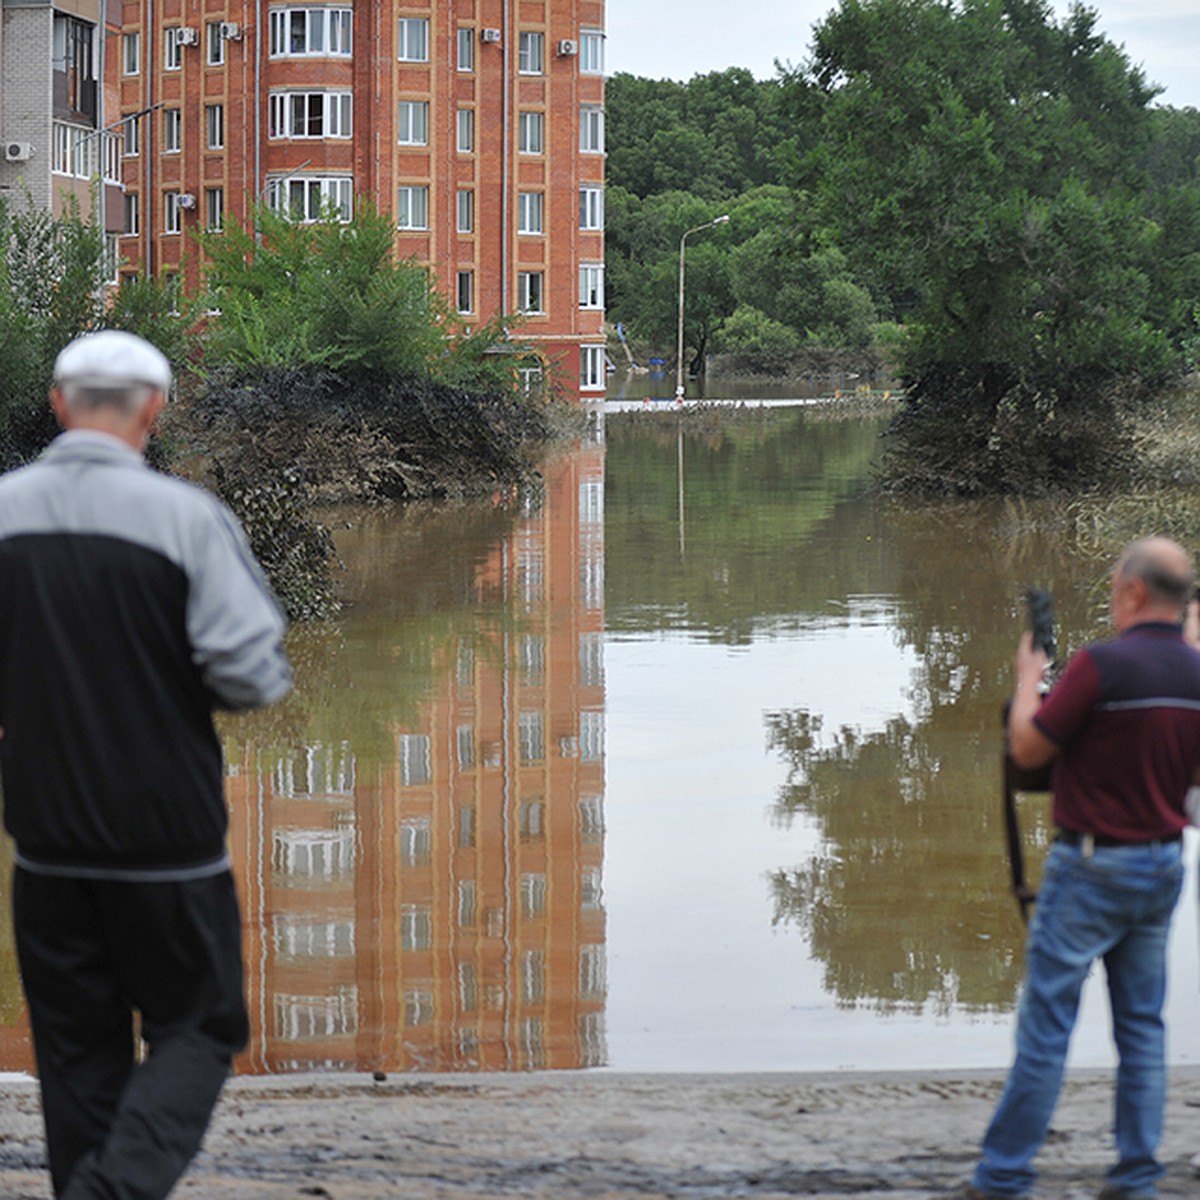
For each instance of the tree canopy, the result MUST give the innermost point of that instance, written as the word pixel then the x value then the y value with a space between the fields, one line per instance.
pixel 983 168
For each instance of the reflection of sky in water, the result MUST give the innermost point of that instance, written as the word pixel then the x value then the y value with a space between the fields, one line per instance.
pixel 698 978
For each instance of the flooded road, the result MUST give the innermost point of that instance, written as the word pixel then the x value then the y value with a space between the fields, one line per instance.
pixel 689 762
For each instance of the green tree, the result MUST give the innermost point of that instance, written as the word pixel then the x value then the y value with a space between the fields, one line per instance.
pixel 980 166
pixel 53 287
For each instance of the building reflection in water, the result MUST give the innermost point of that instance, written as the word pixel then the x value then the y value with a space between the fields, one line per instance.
pixel 443 909
pixel 436 904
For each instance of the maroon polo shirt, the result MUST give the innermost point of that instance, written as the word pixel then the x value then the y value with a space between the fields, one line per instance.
pixel 1126 718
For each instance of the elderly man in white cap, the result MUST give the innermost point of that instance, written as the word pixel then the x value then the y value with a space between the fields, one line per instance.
pixel 130 608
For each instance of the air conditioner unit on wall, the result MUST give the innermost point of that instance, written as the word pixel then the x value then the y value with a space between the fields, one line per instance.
pixel 17 151
pixel 231 31
pixel 187 200
pixel 489 35
pixel 567 47
pixel 188 36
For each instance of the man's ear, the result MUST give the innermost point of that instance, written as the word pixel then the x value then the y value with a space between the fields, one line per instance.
pixel 61 411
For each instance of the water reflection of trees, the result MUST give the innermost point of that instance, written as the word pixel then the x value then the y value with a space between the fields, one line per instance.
pixel 755 492
pixel 907 901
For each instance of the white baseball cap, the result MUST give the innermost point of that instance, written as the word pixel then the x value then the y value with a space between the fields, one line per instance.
pixel 112 358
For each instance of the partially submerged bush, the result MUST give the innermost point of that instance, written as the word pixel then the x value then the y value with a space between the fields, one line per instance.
pixel 380 437
pixel 970 432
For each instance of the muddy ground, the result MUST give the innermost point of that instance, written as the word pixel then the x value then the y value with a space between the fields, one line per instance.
pixel 605 1136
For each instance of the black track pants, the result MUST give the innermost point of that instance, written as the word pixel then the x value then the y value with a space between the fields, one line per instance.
pixel 92 952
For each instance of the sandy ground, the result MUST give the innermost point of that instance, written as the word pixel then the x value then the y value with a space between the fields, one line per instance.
pixel 602 1136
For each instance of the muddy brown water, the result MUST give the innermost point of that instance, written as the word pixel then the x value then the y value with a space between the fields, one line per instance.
pixel 687 762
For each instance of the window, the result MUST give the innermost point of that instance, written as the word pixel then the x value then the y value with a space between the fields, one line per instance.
pixel 412 208
pixel 591 129
pixel 529 291
pixel 413 123
pixel 214 124
pixel 466 210
pixel 175 42
pixel 530 53
pixel 172 212
pixel 172 130
pixel 412 41
pixel 465 296
pixel 216 43
pixel 131 59
pixel 591 207
pixel 131 136
pixel 131 226
pixel 76 87
pixel 315 32
pixel 310 115
pixel 591 52
pixel 466 49
pixel 529 212
pixel 591 368
pixel 530 128
pixel 310 197
pixel 591 285
pixel 214 208
pixel 466 130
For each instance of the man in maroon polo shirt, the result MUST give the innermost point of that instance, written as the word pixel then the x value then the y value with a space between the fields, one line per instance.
pixel 1122 728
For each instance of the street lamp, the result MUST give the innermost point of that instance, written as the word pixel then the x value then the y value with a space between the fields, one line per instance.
pixel 679 348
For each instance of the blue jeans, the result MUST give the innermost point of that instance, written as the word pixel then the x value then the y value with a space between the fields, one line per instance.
pixel 1115 904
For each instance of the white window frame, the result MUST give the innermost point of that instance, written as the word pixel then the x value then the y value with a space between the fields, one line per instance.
pixel 592 369
pixel 412 206
pixel 311 194
pixel 172 213
pixel 531 52
pixel 466 48
pixel 531 292
pixel 412 123
pixel 591 52
pixel 131 53
pixel 132 217
pixel 214 126
pixel 214 209
pixel 465 127
pixel 531 132
pixel 464 210
pixel 591 129
pixel 311 32
pixel 215 44
pixel 412 39
pixel 591 206
pixel 591 285
pixel 131 137
pixel 336 114
pixel 172 138
pixel 172 48
pixel 531 212
pixel 464 294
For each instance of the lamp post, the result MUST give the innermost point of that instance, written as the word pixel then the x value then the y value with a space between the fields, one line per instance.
pixel 679 348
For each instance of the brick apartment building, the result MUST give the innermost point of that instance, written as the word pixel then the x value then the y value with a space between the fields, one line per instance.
pixel 478 123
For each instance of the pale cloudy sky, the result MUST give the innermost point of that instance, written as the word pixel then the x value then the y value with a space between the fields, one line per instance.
pixel 676 39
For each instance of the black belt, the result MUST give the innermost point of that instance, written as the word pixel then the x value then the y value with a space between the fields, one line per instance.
pixel 1072 837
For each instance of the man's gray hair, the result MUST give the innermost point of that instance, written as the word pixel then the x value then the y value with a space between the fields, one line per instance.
pixel 128 399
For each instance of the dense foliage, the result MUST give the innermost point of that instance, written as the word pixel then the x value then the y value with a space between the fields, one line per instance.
pixel 761 288
pixel 52 288
pixel 984 169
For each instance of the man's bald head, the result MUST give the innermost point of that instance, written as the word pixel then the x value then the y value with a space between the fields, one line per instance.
pixel 1153 580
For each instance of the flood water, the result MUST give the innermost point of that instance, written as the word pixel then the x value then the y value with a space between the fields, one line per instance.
pixel 688 762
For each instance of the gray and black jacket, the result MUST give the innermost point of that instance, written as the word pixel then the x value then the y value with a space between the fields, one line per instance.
pixel 130 608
